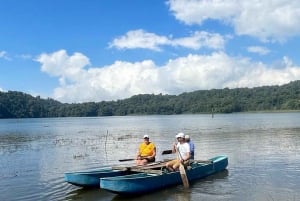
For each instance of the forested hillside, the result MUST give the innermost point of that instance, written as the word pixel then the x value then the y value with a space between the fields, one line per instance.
pixel 268 98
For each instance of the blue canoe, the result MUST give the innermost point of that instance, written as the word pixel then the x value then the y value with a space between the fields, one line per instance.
pixel 91 178
pixel 140 183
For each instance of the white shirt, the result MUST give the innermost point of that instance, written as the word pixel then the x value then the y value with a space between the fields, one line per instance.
pixel 184 150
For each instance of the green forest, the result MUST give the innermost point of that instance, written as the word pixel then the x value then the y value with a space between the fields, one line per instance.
pixel 15 104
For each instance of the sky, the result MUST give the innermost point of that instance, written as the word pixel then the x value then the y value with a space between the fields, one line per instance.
pixel 78 51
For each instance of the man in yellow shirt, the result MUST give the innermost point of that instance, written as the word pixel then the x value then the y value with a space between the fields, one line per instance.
pixel 146 152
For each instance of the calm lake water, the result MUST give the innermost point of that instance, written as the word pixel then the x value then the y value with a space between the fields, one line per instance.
pixel 263 151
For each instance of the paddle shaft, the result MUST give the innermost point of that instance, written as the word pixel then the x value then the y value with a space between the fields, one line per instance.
pixel 128 159
pixel 182 171
pixel 131 159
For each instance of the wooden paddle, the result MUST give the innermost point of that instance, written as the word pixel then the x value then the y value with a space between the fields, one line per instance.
pixel 184 178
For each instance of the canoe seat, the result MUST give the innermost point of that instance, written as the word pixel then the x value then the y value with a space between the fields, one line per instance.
pixel 156 172
pixel 202 161
pixel 139 169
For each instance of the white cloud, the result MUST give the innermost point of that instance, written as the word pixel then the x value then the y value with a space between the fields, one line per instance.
pixel 259 50
pixel 61 65
pixel 199 40
pixel 3 55
pixel 197 11
pixel 141 39
pixel 25 56
pixel 124 79
pixel 265 19
pixel 119 80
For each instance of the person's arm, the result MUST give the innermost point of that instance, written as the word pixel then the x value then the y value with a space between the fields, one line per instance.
pixel 174 149
pixel 188 156
pixel 154 153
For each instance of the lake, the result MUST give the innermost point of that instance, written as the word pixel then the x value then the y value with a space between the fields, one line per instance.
pixel 263 151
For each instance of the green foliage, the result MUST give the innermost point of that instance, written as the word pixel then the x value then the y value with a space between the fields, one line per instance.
pixel 267 98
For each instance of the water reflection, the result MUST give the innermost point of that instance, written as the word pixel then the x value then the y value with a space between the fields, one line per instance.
pixel 214 187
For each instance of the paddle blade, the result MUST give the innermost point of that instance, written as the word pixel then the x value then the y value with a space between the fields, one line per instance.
pixel 184 178
pixel 167 152
pixel 128 159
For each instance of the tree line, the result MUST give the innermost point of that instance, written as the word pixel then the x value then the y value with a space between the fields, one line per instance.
pixel 15 104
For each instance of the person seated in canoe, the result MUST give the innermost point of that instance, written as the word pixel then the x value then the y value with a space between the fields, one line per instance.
pixel 192 146
pixel 182 148
pixel 146 152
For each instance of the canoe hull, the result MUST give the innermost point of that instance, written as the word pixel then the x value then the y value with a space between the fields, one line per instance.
pixel 91 178
pixel 146 182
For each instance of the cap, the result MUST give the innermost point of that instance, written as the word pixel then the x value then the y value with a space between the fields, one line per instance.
pixel 180 135
pixel 187 137
pixel 146 136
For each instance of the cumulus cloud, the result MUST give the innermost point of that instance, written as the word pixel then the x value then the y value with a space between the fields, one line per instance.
pixel 60 64
pixel 259 50
pixel 145 40
pixel 82 83
pixel 267 20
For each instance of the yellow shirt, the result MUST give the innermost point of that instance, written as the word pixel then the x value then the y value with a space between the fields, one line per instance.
pixel 146 149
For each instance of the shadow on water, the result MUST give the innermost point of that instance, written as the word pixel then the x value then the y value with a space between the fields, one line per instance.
pixel 220 175
pixel 89 194
pixel 176 193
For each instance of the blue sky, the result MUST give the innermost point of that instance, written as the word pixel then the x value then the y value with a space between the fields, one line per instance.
pixel 79 51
